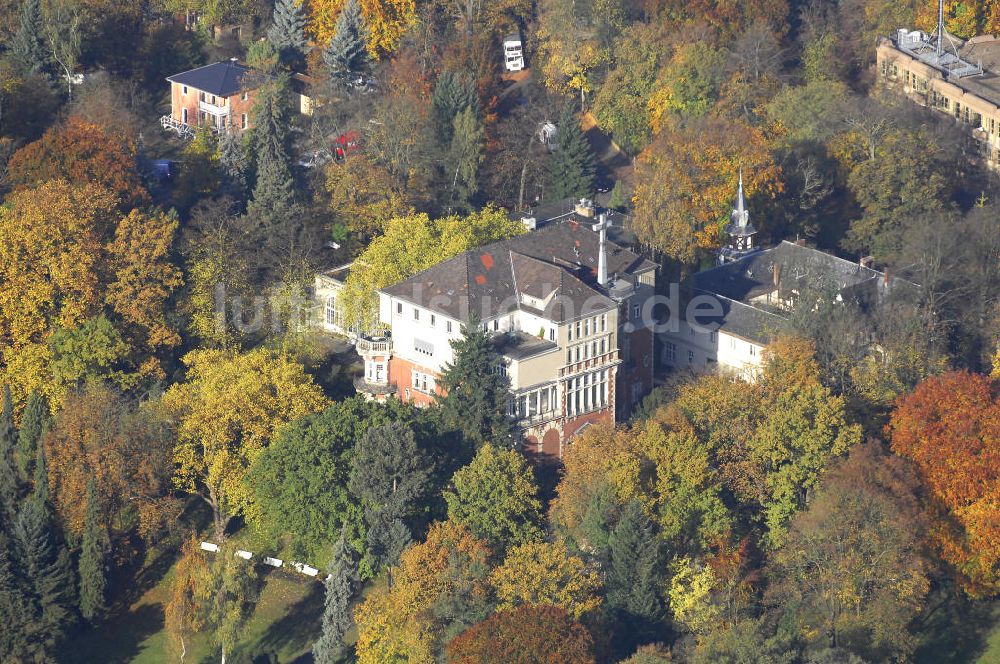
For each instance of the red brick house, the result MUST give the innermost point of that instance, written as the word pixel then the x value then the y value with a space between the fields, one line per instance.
pixel 219 95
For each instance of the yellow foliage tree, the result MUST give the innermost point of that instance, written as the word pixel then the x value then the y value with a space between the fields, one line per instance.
pixel 364 195
pixel 387 22
pixel 543 573
pixel 144 278
pixel 686 184
pixel 51 261
pixel 397 624
pixel 414 243
pixel 226 412
pixel 568 52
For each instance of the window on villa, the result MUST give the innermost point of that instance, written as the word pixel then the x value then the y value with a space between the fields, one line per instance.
pixel 433 320
pixel 586 328
pixel 604 322
pixel 184 89
pixel 671 352
pixel 552 334
pixel 331 310
pixel 399 307
pixel 416 313
pixel 245 96
pixel 447 326
pixel 243 121
pixel 690 357
pixel 571 333
pixel 496 324
pixel 635 311
pixel 184 115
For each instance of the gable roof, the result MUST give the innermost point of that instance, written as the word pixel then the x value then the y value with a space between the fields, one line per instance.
pixel 222 79
pixel 556 266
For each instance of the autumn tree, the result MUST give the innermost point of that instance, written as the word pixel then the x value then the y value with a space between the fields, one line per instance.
pixel 226 412
pixel 80 153
pixel 386 21
pixel 948 427
pixel 543 634
pixel 853 573
pixel 687 86
pixel 51 263
pixel 686 184
pixel 401 621
pixel 127 453
pixel 363 195
pixel 496 498
pixel 144 279
pixel 544 573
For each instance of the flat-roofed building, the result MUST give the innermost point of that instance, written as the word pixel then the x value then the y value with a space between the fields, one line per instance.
pixel 960 78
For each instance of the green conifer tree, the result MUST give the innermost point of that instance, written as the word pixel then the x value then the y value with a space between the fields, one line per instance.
pixel 34 422
pixel 41 489
pixel 45 565
pixel 477 392
pixel 635 577
pixel 339 586
pixel 453 92
pixel 17 632
pixel 347 54
pixel 466 154
pixel 8 472
pixel 28 45
pixel 288 31
pixel 92 553
pixel 571 168
pixel 274 190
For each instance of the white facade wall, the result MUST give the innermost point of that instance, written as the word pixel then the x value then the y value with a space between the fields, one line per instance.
pixel 710 350
pixel 422 330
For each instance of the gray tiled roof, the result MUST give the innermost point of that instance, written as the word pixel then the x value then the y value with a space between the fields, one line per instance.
pixel 486 281
pixel 222 79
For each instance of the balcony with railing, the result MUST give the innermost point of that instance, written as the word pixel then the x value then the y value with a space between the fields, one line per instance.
pixel 364 386
pixel 212 109
pixel 373 346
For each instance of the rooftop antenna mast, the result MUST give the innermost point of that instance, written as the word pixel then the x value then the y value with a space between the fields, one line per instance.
pixel 940 30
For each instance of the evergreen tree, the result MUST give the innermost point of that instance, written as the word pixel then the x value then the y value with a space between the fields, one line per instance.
pixel 41 490
pixel 274 190
pixel 45 566
pixel 466 154
pixel 16 634
pixel 476 392
pixel 390 474
pixel 34 422
pixel 618 200
pixel 288 32
pixel 339 587
pixel 634 578
pixel 571 168
pixel 453 92
pixel 347 55
pixel 92 581
pixel 8 473
pixel 28 46
pixel 234 162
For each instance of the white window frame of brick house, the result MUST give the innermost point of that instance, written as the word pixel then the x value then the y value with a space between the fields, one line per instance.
pixel 671 349
pixel 243 120
pixel 184 116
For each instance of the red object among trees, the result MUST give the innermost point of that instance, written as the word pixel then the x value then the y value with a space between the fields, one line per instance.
pixel 525 635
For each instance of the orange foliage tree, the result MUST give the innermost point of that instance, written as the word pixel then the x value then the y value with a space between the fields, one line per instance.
pixel 686 183
pixel 950 427
pixel 727 18
pixel 529 633
pixel 81 153
pixel 128 453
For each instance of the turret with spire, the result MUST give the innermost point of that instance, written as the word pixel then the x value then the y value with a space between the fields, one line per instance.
pixel 740 230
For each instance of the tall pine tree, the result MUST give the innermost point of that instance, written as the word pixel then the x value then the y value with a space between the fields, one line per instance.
pixel 339 586
pixel 45 565
pixel 475 402
pixel 17 631
pixel 466 154
pixel 93 548
pixel 28 46
pixel 288 31
pixel 40 494
pixel 453 92
pixel 346 57
pixel 571 168
pixel 635 578
pixel 390 475
pixel 34 422
pixel 8 472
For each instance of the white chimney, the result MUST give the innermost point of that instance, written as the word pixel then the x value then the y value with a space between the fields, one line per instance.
pixel 602 260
